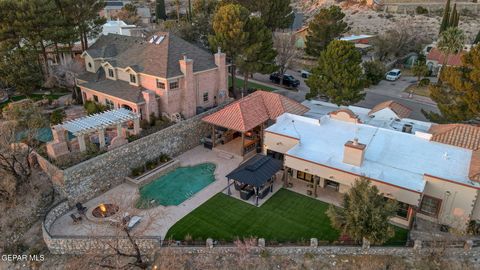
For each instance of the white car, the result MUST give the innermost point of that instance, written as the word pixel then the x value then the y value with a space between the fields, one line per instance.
pixel 393 75
pixel 305 73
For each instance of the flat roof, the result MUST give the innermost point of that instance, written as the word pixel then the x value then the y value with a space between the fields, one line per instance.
pixel 355 37
pixel 397 158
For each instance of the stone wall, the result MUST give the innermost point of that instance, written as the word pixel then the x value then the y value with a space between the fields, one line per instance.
pixel 154 174
pixel 407 7
pixel 92 177
pixel 90 244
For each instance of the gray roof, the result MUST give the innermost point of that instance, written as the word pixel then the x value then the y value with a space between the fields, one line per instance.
pixel 256 171
pixel 154 59
pixel 118 88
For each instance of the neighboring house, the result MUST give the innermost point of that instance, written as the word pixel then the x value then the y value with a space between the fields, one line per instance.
pixel 63 54
pixel 121 28
pixel 112 8
pixel 436 59
pixel 432 171
pixel 361 41
pixel 161 75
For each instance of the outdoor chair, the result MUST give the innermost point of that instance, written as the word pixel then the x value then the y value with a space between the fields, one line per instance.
pixel 239 186
pixel 245 194
pixel 76 219
pixel 81 209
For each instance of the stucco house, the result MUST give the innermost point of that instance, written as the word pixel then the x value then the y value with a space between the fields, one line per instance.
pixel 436 59
pixel 160 75
pixel 433 171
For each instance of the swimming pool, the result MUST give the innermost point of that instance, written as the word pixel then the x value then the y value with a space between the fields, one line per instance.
pixel 176 186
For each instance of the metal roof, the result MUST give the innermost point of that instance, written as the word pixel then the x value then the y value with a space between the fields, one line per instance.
pixel 99 121
pixel 256 171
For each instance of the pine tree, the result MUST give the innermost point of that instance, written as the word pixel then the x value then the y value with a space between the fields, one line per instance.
pixel 446 17
pixel 454 17
pixel 326 26
pixel 160 10
pixel 477 38
pixel 365 214
pixel 338 74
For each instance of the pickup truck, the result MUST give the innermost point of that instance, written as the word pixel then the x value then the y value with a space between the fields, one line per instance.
pixel 288 80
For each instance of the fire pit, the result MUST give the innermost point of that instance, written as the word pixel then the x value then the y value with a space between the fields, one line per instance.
pixel 105 210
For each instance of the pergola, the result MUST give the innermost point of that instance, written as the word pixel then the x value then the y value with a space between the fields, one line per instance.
pixel 99 122
pixel 255 175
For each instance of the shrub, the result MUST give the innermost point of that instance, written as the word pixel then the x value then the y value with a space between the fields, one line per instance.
pixel 164 158
pixel 57 116
pixel 421 10
pixel 93 107
pixel 144 124
pixel 153 119
pixel 424 82
pixel 374 71
pixel 137 171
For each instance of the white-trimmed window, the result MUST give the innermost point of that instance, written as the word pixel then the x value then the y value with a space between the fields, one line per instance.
pixel 89 65
pixel 111 73
pixel 160 84
pixel 205 97
pixel 133 78
pixel 174 85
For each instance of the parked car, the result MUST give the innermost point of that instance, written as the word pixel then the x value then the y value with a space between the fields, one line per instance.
pixel 288 80
pixel 393 75
pixel 305 74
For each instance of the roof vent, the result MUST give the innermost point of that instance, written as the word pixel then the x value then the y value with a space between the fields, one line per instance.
pixel 407 128
pixel 445 156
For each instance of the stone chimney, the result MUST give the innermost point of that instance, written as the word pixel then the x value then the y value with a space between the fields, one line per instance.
pixel 353 153
pixel 221 62
pixel 151 104
pixel 189 95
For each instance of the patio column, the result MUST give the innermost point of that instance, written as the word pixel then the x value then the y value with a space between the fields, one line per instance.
pixel 285 176
pixel 228 187
pixel 243 144
pixel 119 130
pixel 81 142
pixel 315 183
pixel 136 126
pixel 213 136
pixel 256 195
pixel 101 138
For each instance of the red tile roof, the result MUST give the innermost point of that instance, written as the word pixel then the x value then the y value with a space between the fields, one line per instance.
pixel 253 110
pixel 461 135
pixel 399 109
pixel 453 60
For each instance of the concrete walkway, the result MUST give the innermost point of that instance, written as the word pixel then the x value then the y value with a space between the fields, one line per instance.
pixel 158 220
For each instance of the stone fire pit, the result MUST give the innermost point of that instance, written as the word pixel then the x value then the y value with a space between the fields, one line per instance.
pixel 103 212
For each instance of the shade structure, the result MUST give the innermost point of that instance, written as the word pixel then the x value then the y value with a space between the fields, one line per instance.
pixel 256 171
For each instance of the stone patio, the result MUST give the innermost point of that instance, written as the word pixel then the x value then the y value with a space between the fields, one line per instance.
pixel 155 221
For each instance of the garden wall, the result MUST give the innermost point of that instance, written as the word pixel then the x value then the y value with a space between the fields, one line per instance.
pixel 92 177
pixel 410 6
pixel 90 244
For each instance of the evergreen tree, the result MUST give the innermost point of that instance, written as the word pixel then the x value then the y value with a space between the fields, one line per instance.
pixel 374 71
pixel 338 74
pixel 454 17
pixel 451 41
pixel 326 26
pixel 446 17
pixel 19 68
pixel 160 12
pixel 258 55
pixel 365 214
pixel 458 97
pixel 477 38
pixel 420 70
pixel 229 33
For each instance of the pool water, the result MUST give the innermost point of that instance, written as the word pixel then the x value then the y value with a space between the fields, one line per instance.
pixel 176 186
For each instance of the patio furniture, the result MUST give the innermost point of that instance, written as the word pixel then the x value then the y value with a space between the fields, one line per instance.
pixel 76 219
pixel 239 186
pixel 134 221
pixel 245 194
pixel 309 192
pixel 264 192
pixel 290 185
pixel 81 209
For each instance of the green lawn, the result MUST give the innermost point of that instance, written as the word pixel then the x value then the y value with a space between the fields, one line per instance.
pixel 239 84
pixel 286 217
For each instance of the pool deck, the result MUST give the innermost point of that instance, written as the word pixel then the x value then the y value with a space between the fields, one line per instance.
pixel 155 221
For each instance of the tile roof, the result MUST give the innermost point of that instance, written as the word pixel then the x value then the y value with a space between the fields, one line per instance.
pixel 253 110
pixel 399 109
pixel 461 135
pixel 453 60
pixel 117 88
pixel 150 58
pixel 474 171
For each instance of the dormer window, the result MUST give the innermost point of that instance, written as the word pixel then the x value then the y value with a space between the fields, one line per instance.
pixel 111 74
pixel 89 65
pixel 133 78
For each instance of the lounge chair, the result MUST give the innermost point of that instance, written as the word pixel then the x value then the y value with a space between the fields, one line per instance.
pixel 81 209
pixel 76 219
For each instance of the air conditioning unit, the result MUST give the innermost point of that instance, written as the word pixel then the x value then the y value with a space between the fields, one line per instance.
pixel 407 128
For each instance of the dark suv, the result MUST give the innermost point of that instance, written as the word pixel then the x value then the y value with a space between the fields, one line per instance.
pixel 288 80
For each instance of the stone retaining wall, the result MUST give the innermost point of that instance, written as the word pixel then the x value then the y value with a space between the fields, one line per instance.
pixel 92 177
pixel 154 174
pixel 410 8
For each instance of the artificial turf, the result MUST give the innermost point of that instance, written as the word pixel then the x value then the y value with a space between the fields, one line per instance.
pixel 285 217
pixel 239 84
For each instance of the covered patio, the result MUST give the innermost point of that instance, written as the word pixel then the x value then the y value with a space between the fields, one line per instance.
pixel 255 179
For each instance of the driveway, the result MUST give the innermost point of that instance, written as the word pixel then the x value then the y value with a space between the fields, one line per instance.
pixel 297 94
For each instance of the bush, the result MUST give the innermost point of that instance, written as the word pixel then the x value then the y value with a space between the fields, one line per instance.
pixel 144 124
pixel 424 82
pixel 374 71
pixel 153 119
pixel 421 10
pixel 93 107
pixel 57 117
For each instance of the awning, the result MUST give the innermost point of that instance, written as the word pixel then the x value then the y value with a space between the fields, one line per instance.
pixel 256 171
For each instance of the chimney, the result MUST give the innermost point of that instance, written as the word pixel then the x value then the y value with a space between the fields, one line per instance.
pixel 221 63
pixel 189 95
pixel 353 152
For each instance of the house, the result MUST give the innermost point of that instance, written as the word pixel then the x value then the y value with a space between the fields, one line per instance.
pixel 238 128
pixel 432 171
pixel 161 75
pixel 112 8
pixel 121 28
pixel 436 59
pixel 361 42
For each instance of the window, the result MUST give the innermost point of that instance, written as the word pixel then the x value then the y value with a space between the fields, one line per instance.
pixel 173 85
pixel 95 98
pixel 430 206
pixel 305 176
pixel 205 97
pixel 133 78
pixel 402 210
pixel 110 73
pixel 109 103
pixel 89 65
pixel 160 84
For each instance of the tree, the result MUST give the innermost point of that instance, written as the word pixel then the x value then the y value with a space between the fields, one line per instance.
pixel 326 26
pixel 128 14
pixel 19 68
pixel 446 17
pixel 451 41
pixel 365 213
pixel 258 55
pixel 284 44
pixel 458 96
pixel 374 71
pixel 338 74
pixel 454 17
pixel 229 24
pixel 160 10
pixel 477 38
pixel 420 70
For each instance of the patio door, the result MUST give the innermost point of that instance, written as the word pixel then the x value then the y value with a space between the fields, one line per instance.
pixel 331 185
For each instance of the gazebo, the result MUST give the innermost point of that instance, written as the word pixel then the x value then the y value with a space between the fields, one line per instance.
pixel 254 177
pixel 96 123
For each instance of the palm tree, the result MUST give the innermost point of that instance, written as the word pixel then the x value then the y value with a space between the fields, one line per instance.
pixel 451 41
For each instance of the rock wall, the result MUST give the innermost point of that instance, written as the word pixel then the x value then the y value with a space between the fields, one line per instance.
pixel 409 7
